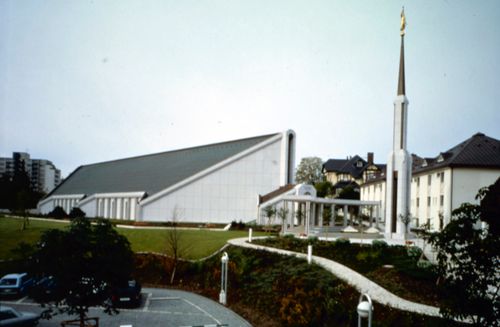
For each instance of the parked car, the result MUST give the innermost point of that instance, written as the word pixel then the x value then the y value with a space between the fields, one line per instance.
pixel 128 295
pixel 10 317
pixel 15 284
pixel 43 287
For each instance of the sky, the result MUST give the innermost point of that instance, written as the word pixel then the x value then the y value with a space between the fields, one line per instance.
pixel 90 81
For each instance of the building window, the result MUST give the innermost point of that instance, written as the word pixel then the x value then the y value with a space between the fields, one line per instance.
pixel 418 202
pixel 442 177
pixel 429 178
pixel 441 200
pixel 418 181
pixel 428 201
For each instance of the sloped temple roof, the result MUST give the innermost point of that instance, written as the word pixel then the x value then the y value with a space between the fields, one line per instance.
pixel 151 173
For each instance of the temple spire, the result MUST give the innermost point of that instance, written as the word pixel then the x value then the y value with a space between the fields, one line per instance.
pixel 401 80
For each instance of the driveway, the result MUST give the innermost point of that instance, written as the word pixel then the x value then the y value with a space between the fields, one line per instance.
pixel 159 307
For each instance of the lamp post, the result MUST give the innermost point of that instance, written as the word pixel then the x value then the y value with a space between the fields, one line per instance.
pixel 365 309
pixel 223 279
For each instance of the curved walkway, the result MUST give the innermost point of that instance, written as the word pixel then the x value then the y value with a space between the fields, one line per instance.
pixel 358 281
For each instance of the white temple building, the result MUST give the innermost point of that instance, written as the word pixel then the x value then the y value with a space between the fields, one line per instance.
pixel 216 183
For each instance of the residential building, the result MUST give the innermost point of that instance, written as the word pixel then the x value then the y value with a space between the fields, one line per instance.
pixel 215 183
pixel 352 171
pixel 43 174
pixel 441 184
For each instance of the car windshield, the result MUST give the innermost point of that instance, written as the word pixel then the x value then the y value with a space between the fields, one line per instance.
pixel 8 281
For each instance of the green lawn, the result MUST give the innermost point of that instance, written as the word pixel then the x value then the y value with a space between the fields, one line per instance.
pixel 11 233
pixel 199 242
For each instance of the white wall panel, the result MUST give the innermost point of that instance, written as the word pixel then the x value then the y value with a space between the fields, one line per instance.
pixel 230 193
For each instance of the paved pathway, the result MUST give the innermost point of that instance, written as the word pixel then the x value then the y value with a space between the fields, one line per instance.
pixel 358 281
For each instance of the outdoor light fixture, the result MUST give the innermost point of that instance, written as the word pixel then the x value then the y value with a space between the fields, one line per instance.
pixel 365 309
pixel 223 279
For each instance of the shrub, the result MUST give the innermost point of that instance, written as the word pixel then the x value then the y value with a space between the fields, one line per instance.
pixel 414 252
pixel 76 213
pixel 58 213
pixel 379 245
pixel 312 240
pixel 342 242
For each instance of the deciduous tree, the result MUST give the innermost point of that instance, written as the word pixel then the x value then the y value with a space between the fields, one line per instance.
pixel 86 262
pixel 309 170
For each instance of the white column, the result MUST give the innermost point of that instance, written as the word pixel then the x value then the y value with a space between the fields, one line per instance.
pixel 126 209
pixel 320 216
pixel 132 208
pixel 106 208
pixel 332 216
pixel 308 217
pixel 112 209
pixel 345 215
pixel 313 220
pixel 119 208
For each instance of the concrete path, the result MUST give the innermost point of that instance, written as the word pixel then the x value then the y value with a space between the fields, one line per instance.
pixel 358 281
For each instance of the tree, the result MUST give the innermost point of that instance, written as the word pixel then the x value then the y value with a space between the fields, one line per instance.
pixel 86 263
pixel 468 254
pixel 349 193
pixel 270 212
pixel 282 213
pixel 406 220
pixel 16 192
pixel 324 189
pixel 309 170
pixel 175 247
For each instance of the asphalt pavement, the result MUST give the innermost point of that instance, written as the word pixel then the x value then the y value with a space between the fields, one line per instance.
pixel 159 307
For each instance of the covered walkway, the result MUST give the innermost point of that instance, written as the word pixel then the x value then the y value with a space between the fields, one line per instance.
pixel 310 215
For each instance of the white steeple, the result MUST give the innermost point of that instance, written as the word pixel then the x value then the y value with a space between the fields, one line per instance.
pixel 398 174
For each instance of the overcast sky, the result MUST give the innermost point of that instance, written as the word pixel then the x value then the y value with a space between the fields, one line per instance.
pixel 89 81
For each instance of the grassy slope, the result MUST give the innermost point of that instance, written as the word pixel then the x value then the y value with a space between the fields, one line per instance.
pixel 11 233
pixel 200 243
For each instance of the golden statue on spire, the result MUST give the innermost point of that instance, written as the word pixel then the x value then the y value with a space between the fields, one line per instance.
pixel 403 22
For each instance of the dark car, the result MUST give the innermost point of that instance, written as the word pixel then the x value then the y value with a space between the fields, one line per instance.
pixel 43 288
pixel 15 284
pixel 127 295
pixel 10 317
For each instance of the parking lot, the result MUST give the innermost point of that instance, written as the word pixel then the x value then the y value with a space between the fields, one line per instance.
pixel 159 307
